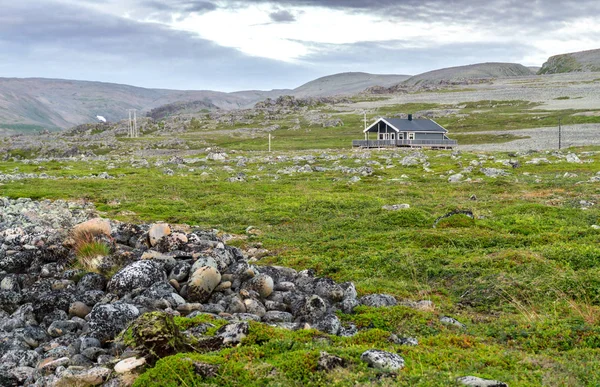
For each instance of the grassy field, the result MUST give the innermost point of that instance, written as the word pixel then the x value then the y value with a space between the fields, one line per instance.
pixel 523 276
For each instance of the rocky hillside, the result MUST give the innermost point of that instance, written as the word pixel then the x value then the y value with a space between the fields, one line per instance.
pixel 346 84
pixel 33 104
pixel 469 73
pixel 575 62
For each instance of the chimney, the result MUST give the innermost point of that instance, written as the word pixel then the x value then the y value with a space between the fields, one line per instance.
pixel 410 117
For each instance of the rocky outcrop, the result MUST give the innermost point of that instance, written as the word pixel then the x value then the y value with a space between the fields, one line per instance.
pixel 59 324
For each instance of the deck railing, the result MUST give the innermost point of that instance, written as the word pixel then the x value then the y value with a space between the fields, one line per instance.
pixel 387 143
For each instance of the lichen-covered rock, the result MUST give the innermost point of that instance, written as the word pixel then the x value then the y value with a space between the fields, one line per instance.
pixel 329 323
pixel 75 376
pixel 95 226
pixel 91 281
pixel 382 360
pixel 274 316
pixel 451 321
pixel 328 362
pixel 155 334
pixel 233 333
pixel 106 320
pixel 378 300
pixel 204 261
pixel 202 282
pixel 262 284
pixel 475 381
pixel 139 274
pixel 158 231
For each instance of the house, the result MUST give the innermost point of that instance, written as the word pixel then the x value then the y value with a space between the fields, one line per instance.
pixel 405 132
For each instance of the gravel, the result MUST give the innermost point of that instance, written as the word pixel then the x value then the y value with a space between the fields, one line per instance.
pixel 542 138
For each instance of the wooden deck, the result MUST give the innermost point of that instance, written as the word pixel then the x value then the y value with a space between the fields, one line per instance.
pixel 443 144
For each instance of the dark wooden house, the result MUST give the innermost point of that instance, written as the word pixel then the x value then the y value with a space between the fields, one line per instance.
pixel 405 132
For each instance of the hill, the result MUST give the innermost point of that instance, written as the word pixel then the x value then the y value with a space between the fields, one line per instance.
pixel 575 62
pixel 469 72
pixel 33 104
pixel 346 84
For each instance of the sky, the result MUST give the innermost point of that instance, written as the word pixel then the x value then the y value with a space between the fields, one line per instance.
pixel 230 45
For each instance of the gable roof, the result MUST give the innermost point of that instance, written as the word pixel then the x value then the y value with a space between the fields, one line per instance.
pixel 414 125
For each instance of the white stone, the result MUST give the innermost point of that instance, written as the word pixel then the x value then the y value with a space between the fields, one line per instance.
pixel 129 364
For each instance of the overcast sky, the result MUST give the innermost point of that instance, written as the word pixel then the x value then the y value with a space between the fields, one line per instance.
pixel 259 44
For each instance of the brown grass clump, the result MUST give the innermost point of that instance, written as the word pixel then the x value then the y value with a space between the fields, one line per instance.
pixel 89 243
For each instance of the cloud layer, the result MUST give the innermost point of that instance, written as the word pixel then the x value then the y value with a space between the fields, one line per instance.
pixel 234 45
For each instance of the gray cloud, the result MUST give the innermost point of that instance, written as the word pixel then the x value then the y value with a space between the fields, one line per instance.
pixel 515 15
pixel 282 16
pixel 63 41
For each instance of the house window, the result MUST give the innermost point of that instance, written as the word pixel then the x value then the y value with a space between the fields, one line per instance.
pixel 411 136
pixel 381 136
pixel 392 136
pixel 400 136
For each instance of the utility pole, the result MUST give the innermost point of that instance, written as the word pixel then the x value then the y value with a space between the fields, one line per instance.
pixel 133 131
pixel 559 134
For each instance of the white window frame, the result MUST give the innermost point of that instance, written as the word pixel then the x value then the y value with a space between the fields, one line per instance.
pixel 392 136
pixel 400 136
pixel 411 136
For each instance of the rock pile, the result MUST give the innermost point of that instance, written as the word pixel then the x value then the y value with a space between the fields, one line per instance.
pixel 57 322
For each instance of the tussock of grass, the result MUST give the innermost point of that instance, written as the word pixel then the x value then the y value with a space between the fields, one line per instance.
pixel 88 247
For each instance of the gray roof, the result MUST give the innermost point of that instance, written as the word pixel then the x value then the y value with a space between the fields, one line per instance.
pixel 415 125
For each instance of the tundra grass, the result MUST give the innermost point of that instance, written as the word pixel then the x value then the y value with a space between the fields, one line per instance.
pixel 523 276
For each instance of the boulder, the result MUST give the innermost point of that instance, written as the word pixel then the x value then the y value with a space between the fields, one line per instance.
pixel 202 282
pixel 96 226
pixel 233 333
pixel 382 360
pixel 262 284
pixel 378 300
pixel 140 274
pixel 158 231
pixel 107 320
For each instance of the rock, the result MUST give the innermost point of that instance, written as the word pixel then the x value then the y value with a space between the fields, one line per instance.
pixel 59 328
pixel 262 284
pixel 330 324
pixel 180 272
pixel 494 172
pixel 474 381
pixel 328 362
pixel 139 274
pixel 382 360
pixel 572 158
pixel 409 161
pixel 274 316
pixel 96 226
pixel 79 309
pixel 91 281
pixel 233 333
pixel 254 307
pixel 451 321
pixel 206 370
pixel 314 308
pixel 49 365
pixel 378 300
pixel 411 341
pixel 74 376
pixel 204 261
pixel 395 207
pixel 106 320
pixel 456 178
pixel 202 282
pixel 129 365
pixel 158 231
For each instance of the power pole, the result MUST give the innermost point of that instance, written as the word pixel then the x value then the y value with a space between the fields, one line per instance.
pixel 133 130
pixel 559 134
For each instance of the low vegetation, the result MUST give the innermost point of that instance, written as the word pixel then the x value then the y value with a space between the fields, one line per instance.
pixel 522 275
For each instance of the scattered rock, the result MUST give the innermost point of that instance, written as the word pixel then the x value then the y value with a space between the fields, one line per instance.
pixel 158 231
pixel 129 365
pixel 328 362
pixel 202 283
pixel 383 360
pixel 474 381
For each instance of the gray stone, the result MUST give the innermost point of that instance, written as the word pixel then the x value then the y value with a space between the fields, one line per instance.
pixel 475 381
pixel 378 300
pixel 274 316
pixel 451 321
pixel 382 360
pixel 202 283
pixel 139 274
pixel 106 320
pixel 233 333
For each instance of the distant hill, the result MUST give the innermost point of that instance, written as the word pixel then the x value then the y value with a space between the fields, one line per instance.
pixel 575 62
pixel 33 104
pixel 470 72
pixel 345 84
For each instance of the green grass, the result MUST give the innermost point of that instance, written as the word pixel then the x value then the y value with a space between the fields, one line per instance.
pixel 524 275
